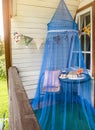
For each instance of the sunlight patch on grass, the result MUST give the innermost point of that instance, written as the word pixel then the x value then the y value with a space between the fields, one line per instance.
pixel 3 98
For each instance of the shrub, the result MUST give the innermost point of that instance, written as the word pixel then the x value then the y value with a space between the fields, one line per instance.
pixel 2 67
pixel 1 47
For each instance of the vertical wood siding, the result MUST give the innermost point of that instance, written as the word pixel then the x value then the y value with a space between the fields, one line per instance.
pixel 31 20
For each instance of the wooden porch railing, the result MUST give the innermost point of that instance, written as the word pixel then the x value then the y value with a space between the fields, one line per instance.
pixel 21 115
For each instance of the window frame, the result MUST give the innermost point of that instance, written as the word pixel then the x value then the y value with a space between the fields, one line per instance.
pixel 78 15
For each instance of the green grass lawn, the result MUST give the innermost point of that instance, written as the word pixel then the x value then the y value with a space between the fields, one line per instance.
pixel 3 99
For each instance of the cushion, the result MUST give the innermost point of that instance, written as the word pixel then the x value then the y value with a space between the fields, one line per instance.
pixel 51 78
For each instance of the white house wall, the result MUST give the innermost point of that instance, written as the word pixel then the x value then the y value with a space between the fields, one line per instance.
pixel 31 19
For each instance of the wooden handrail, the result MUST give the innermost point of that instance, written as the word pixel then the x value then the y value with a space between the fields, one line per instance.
pixel 21 115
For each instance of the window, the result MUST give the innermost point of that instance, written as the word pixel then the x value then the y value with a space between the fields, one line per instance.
pixel 84 20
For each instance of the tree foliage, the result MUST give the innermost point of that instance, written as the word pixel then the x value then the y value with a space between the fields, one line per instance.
pixel 1 47
pixel 2 67
pixel 2 60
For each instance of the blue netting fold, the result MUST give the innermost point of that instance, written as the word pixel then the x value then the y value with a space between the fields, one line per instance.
pixel 63 95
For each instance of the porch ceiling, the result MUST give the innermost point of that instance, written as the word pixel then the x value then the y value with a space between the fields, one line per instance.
pixel 72 6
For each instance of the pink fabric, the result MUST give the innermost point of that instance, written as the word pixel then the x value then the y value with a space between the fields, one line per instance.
pixel 51 78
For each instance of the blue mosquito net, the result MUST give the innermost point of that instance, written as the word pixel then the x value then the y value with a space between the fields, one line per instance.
pixel 63 96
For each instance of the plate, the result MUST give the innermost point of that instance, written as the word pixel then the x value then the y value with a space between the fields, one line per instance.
pixel 62 77
pixel 77 78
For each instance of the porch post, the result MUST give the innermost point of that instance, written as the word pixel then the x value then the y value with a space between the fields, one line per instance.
pixel 93 45
pixel 6 25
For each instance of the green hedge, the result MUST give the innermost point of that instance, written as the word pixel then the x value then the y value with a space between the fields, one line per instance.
pixel 2 49
pixel 2 67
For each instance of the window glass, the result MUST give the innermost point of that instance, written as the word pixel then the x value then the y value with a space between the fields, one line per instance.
pixel 84 22
pixel 82 42
pixel 88 61
pixel 88 43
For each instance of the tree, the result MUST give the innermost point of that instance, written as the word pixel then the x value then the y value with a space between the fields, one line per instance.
pixel 1 46
pixel 2 59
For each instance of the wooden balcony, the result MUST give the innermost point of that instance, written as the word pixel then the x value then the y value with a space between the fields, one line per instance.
pixel 21 115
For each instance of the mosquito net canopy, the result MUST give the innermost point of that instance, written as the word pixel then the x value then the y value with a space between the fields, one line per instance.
pixel 63 95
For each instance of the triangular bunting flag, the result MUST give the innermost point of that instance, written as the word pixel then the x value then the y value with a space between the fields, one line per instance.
pixel 38 42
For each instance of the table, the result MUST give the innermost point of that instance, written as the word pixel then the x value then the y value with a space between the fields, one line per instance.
pixel 83 78
pixel 74 88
